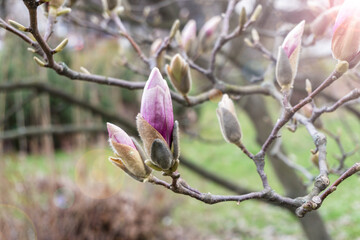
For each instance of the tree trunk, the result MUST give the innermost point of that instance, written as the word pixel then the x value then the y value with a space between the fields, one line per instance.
pixel 312 223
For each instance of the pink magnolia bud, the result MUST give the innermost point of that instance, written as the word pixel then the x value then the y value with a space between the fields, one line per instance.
pixel 345 43
pixel 210 26
pixel 156 105
pixel 292 42
pixel 188 35
pixel 207 32
pixel 320 26
pixel 118 135
pixel 127 157
pixel 288 58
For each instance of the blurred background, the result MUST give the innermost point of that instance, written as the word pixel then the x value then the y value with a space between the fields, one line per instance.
pixel 56 181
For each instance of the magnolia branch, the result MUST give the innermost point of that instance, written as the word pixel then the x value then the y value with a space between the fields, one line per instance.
pixel 316 201
pixel 181 187
pixel 289 113
pixel 353 95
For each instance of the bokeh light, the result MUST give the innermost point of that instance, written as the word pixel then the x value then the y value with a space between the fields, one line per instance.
pixel 96 176
pixel 16 223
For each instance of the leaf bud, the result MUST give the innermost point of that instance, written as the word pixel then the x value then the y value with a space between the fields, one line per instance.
pixel 18 26
pixel 255 35
pixel 242 18
pixel 342 67
pixel 308 86
pixel 39 62
pixel 256 13
pixel 174 28
pixel 63 11
pixel 61 46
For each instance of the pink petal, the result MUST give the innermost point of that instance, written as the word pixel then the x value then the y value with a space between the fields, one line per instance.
pixel 156 105
pixel 118 135
pixel 293 39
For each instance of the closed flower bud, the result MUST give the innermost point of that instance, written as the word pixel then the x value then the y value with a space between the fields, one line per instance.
pixel 207 32
pixel 321 23
pixel 284 74
pixel 174 28
pixel 153 50
pixel 345 43
pixel 288 57
pixel 179 74
pixel 156 105
pixel 229 124
pixel 127 155
pixel 188 37
pixel 155 122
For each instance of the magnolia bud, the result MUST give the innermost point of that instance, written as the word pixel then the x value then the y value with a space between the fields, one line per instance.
pixel 256 13
pixel 321 24
pixel 255 35
pixel 85 71
pixel 288 56
pixel 207 32
pixel 248 42
pixel 31 50
pixel 174 28
pixel 61 46
pixel 188 37
pixel 17 25
pixel 155 123
pixel 179 74
pixel 128 157
pixel 345 43
pixel 284 75
pixel 39 62
pixel 308 86
pixel 154 48
pixel 342 67
pixel 229 124
pixel 242 18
